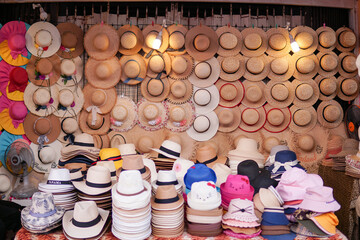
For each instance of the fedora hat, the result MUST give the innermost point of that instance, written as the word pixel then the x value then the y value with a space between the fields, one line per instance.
pixel 180 91
pixel 277 119
pixel 327 39
pixel 230 41
pixel 166 177
pixel 306 38
pixel 42 39
pixel 254 94
pixel 348 88
pixel 328 63
pixel 181 66
pixel 101 141
pixel 101 41
pixel 152 115
pixel 255 42
pixel 207 155
pixel 103 74
pixel 168 149
pixel 13 81
pixel 252 119
pixel 72 40
pixel 123 114
pixel 347 66
pixel 204 127
pixel 205 99
pixel 133 69
pixel 69 129
pixel 71 101
pixel 346 39
pixel 99 100
pixel 131 39
pixel 327 87
pixel 280 94
pixel 256 68
pixel 330 114
pixel 229 118
pixel 278 42
pixel 47 156
pixel 232 67
pixel 71 71
pixel 303 119
pixel 181 116
pixel 158 65
pixel 155 89
pixel 12 115
pixel 43 71
pixel 150 33
pixel 205 73
pixel 135 162
pixel 201 42
pixel 231 93
pixel 94 123
pixel 42 130
pixel 306 67
pixel 306 92
pixel 281 68
pixel 177 33
pixel 116 138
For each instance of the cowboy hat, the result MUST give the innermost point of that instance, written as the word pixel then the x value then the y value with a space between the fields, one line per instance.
pixel 254 94
pixel 346 39
pixel 205 99
pixel 180 91
pixel 279 42
pixel 181 117
pixel 347 66
pixel 229 118
pixel 155 89
pixel 330 114
pixel 159 65
pixel 204 127
pixel 255 42
pixel 181 66
pixel 70 99
pixel 348 88
pixel 103 74
pixel 70 69
pixel 252 119
pixel 231 93
pixel 94 123
pixel 306 67
pixel 12 115
pixel 306 92
pixel 69 129
pixel 328 63
pixel 177 33
pixel 46 157
pixel 327 39
pixel 152 115
pixel 103 99
pixel 133 69
pixel 131 39
pixel 150 33
pixel 13 81
pixel 277 119
pixel 232 67
pixel 72 40
pixel 302 119
pixel 123 115
pixel 205 73
pixel 306 38
pixel 44 71
pixel 230 41
pixel 327 87
pixel 257 68
pixel 281 68
pixel 280 94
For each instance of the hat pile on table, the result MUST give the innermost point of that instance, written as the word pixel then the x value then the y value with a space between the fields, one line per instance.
pixel 353 164
pixel 284 160
pixel 266 198
pixel 275 225
pixel 135 162
pixel 350 147
pixel 166 177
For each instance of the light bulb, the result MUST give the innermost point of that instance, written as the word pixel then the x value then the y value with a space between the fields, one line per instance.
pixel 294 45
pixel 157 41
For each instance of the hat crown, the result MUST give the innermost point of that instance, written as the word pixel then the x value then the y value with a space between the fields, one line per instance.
pixel 106 153
pixel 349 86
pixel 155 87
pixel 178 89
pixel 44 66
pixel 43 38
pixel 59 174
pixel 250 116
pixel 279 66
pixel 97 123
pixel 268 198
pixel 202 97
pixel 285 156
pixel 305 65
pixel 270 143
pixel 128 40
pixel 98 97
pixel 306 142
pixel 171 145
pixel 349 63
pixel 255 65
pixel 226 117
pixel 204 191
pixel 85 211
pixel 130 182
pixel 327 86
pixel 69 125
pixel 66 97
pixel 347 39
pixel 144 144
pixel 201 42
pixel 179 64
pixel 151 111
pixel 176 40
pixel 103 70
pixel 277 41
pixel 304 39
pixel 198 172
pixel 101 42
pixel 278 148
pixel 5 183
pixel 320 193
pixel 132 69
pixel 177 113
pixel 205 153
pixel 228 92
pixel 202 70
pixel 230 64
pixel 302 117
pixel 42 203
pixel 201 124
pixel 127 149
pixel 166 192
pixel 237 184
pixel 67 67
pixel 19 76
pixel 119 112
pixel 228 40
pixel 98 175
pixel 331 113
pixel 84 138
pixel 18 110
pixel 42 126
pixel 304 91
pixel 327 39
pixel 253 93
pixel 69 39
pixel 156 63
pixel 275 117
pixel 253 41
pixel 16 41
pixel 280 92
pixel 166 176
pixel 47 155
pixel 328 62
pixel 247 144
pixel 133 162
pixel 292 177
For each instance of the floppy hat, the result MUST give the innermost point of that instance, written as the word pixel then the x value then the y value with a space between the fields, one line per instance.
pixel 230 41
pixel 278 42
pixel 255 42
pixel 198 172
pixel 43 71
pixel 252 119
pixel 346 39
pixel 248 168
pixel 155 89
pixel 13 81
pixel 205 99
pixel 306 67
pixel 152 115
pixel 256 68
pixel 94 123
pixel 254 94
pixel 181 116
pixel 72 40
pixel 133 69
pixel 277 119
pixel 205 73
pixel 166 177
pixel 280 94
pixel 204 127
pixel 302 119
pixel 327 39
pixel 43 39
pixel 328 63
pixel 180 91
pixel 328 88
pixel 69 129
pixel 150 33
pixel 201 42
pixel 131 39
pixel 71 101
pixel 12 115
pixel 306 38
pixel 123 114
pixel 330 114
pixel 99 100
pixel 71 71
pixel 348 88
pixel 158 65
pixel 306 92
pixel 177 33
pixel 103 74
pixel 229 119
pixel 207 155
pixel 281 68
pixel 222 172
pixel 319 199
pixel 181 66
pixel 203 196
pixel 232 67
pixel 347 65
pixel 47 156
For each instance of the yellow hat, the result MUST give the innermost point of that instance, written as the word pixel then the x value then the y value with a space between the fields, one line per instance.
pixel 327 222
pixel 111 154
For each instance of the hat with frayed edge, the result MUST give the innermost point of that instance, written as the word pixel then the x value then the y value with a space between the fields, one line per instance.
pixel 256 68
pixel 12 115
pixel 206 73
pixel 204 127
pixel 348 88
pixel 230 41
pixel 152 115
pixel 306 38
pixel 306 92
pixel 328 63
pixel 72 40
pixel 281 68
pixel 252 119
pixel 177 33
pixel 205 99
pixel 231 93
pixel 232 67
pixel 123 114
pixel 71 101
pixel 306 67
pixel 158 65
pixel 155 89
pixel 94 123
pixel 328 88
pixel 99 100
pixel 346 39
pixel 278 42
pixel 103 74
pixel 330 114
pixel 277 119
pixel 180 91
pixel 133 69
pixel 229 118
pixel 255 42
pixel 280 94
pixel 181 116
pixel 150 33
pixel 42 130
pixel 131 39
pixel 302 119
pixel 254 96
pixel 347 64
pixel 43 71
pixel 327 39
pixel 182 66
pixel 71 72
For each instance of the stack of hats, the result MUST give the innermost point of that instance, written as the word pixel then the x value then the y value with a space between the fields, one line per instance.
pixel 266 198
pixel 350 147
pixel 167 212
pixel 167 177
pixel 275 225
pixel 284 160
pixel 203 210
pixel 59 184
pixel 131 212
pixel 334 146
pixel 168 152
pixel 180 168
pixel 196 173
pixel 240 220
pixel 110 154
pixel 135 162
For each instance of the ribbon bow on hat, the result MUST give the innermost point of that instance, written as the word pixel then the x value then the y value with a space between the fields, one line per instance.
pixel 94 110
pixel 244 210
pixel 41 140
pixel 15 53
pixel 286 165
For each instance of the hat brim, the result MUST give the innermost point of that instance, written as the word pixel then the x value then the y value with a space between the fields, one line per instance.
pixel 239 96
pixel 288 74
pixel 341 94
pixel 280 104
pixel 235 123
pixel 139 39
pixel 143 68
pixel 320 30
pixel 257 126
pixel 103 83
pixel 322 71
pixel 101 141
pixel 88 91
pixel 264 42
pixel 234 51
pixel 176 28
pixel 305 76
pixel 322 96
pixel 342 71
pixel 164 37
pixel 187 96
pixel 303 129
pixel 314 97
pixel 210 133
pixel 261 101
pixel 131 117
pixel 167 206
pixel 237 74
pixel 79 48
pixel 276 129
pixel 189 108
pixel 53 76
pixel 145 90
pixel 75 79
pixel 103 129
pixel 321 117
pixel 214 101
pixel 340 47
pixel 187 72
pixel 311 49
pixel 274 52
pixel 163 114
pixel 78 101
pixel 210 80
pixel 260 76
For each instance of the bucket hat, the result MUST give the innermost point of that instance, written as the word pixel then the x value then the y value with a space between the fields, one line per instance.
pixel 255 42
pixel 306 92
pixel 231 93
pixel 181 117
pixel 204 127
pixel 277 119
pixel 252 119
pixel 241 210
pixel 152 115
pixel 229 118
pixel 306 67
pixel 348 88
pixel 256 68
pixel 71 72
pixel 182 66
pixel 319 199
pixel 203 196
pixel 131 39
pixel 278 42
pixel 72 40
pixel 327 39
pixel 280 94
pixel 347 64
pixel 281 68
pixel 150 32
pixel 155 89
pixel 254 96
pixel 133 69
pixel 303 119
pixel 205 73
pixel 346 39
pixel 123 114
pixel 180 168
pixel 177 33
pixel 230 41
pixel 327 87
pixel 103 74
pixel 328 63
pixel 232 67
pixel 205 99
pixel 197 173
pixel 44 71
pixel 306 38
pixel 330 114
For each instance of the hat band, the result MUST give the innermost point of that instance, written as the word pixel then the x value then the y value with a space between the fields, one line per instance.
pixel 208 161
pixel 42 215
pixel 162 84
pixel 86 224
pixel 80 179
pixel 342 60
pixel 131 194
pixel 142 170
pixel 98 185
pixel 166 150
pixel 167 200
pixel 117 158
pixel 167 183
pixel 83 144
pixel 341 89
pixel 56 182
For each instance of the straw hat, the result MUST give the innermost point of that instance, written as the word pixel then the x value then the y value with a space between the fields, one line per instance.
pixel 103 99
pixel 278 41
pixel 159 65
pixel 177 34
pixel 252 119
pixel 201 42
pixel 123 115
pixel 346 39
pixel 277 119
pixel 71 101
pixel 208 156
pixel 347 66
pixel 327 87
pixel 144 140
pixel 280 94
pixel 117 138
pixel 255 42
pixel 205 73
pixel 180 91
pixel 69 129
pixel 303 119
pixel 103 73
pixel 330 114
pixel 70 69
pixel 254 94
pixel 101 41
pixel 306 92
pixel 42 39
pixel 205 99
pixel 232 67
pixel 152 115
pixel 230 41
pixel 181 117
pixel 181 66
pixel 12 115
pixel 43 71
pixel 231 93
pixel 306 38
pixel 46 157
pixel 101 141
pixel 131 39
pixel 306 67
pixel 281 68
pixel 155 90
pixel 229 119
pixel 306 143
pixel 13 81
pixel 204 127
pixel 133 69
pixel 94 123
pixel 257 68
pixel 150 32
pixel 269 143
pixel 327 39
pixel 348 88
pixel 328 63
pixel 72 40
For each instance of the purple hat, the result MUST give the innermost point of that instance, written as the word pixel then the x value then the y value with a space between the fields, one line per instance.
pixel 198 172
pixel 320 199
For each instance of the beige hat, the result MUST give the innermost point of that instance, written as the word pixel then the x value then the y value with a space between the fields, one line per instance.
pixel 346 39
pixel 303 119
pixel 280 94
pixel 133 69
pixel 327 39
pixel 330 114
pixel 254 96
pixel 46 157
pixel 101 41
pixel 72 40
pixel 306 38
pixel 205 73
pixel 43 71
pixel 229 119
pixel 232 67
pixel 103 99
pixel 269 143
pixel 180 91
pixel 278 42
pixel 145 140
pixel 205 99
pixel 256 68
pixel 181 116
pixel 252 119
pixel 71 72
pixel 155 90
pixel 94 124
pixel 230 41
pixel 159 65
pixel 150 33
pixel 328 63
pixel 348 88
pixel 116 138
pixel 204 127
pixel 69 129
pixel 277 119
pixel 123 114
pixel 103 73
pixel 306 67
pixel 347 64
pixel 231 93
pixel 131 39
pixel 305 143
pixel 152 115
pixel 181 66
pixel 71 101
pixel 177 33
pixel 255 42
pixel 101 141
pixel 306 92
pixel 327 87
pixel 281 68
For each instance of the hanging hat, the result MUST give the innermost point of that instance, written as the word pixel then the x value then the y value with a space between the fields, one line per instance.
pixel 277 119
pixel 330 114
pixel 281 68
pixel 231 93
pixel 7 139
pixel 327 39
pixel 180 91
pixel 152 115
pixel 71 101
pixel 116 138
pixel 257 68
pixel 230 41
pixel 229 118
pixel 306 92
pixel 279 42
pixel 72 40
pixel 327 87
pixel 328 63
pixel 181 117
pixel 44 71
pixel 204 127
pixel 131 39
pixel 123 114
pixel 101 41
pixel 71 72
pixel 205 73
pixel 306 38
pixel 12 115
pixel 159 65
pixel 150 33
pixel 181 66
pixel 232 67
pixel 168 149
pixel 303 119
pixel 305 144
pixel 205 99
pixel 254 94
pixel 201 42
pixel 280 94
pixel 252 119
pixel 43 39
pixel 177 33
pixel 13 81
pixel 46 157
pixel 347 65
pixel 269 143
pixel 306 67
pixel 133 69
pixel 101 141
pixel 99 100
pixel 207 155
pixel 346 39
pixel 348 88
pixel 255 42
pixel 69 129
pixel 155 89
pixel 94 123
pixel 103 73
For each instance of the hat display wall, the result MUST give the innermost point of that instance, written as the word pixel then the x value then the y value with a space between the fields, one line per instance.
pixel 13 81
pixel 278 42
pixel 159 65
pixel 229 118
pixel 12 115
pixel 72 40
pixel 69 129
pixel 306 92
pixel 306 67
pixel 46 157
pixel 277 119
pixel 123 114
pixel 71 71
pixel 155 89
pixel 231 93
pixel 43 39
pixel 281 68
pixel 177 33
pixel 327 39
pixel 328 63
pixel 205 73
pixel 252 119
pixel 181 116
pixel 152 115
pixel 230 41
pixel 103 73
pixel 94 123
pixel 330 114
pixel 150 33
pixel 99 100
pixel 348 88
pixel 255 42
pixel 254 94
pixel 205 99
pixel 180 91
pixel 302 119
pixel 181 66
pixel 346 39
pixel 232 67
pixel 131 39
pixel 347 65
pixel 71 101
pixel 44 71
pixel 204 127
pixel 133 69
pixel 306 38
pixel 257 68
pixel 328 88
pixel 280 94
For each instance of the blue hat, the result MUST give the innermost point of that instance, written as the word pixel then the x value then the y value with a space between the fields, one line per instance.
pixel 284 160
pixel 198 172
pixel 289 236
pixel 6 139
pixel 274 216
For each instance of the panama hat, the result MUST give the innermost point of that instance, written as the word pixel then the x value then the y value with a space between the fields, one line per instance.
pixel 102 100
pixel 277 119
pixel 131 39
pixel 150 33
pixel 44 71
pixel 103 73
pixel 69 129
pixel 252 119
pixel 135 162
pixel 230 41
pixel 12 115
pixel 327 39
pixel 41 130
pixel 229 118
pixel 306 38
pixel 328 63
pixel 306 92
pixel 204 127
pixel 152 115
pixel 71 101
pixel 232 67
pixel 281 68
pixel 205 99
pixel 133 69
pixel 257 68
pixel 47 156
pixel 123 114
pixel 177 33
pixel 155 89
pixel 43 39
pixel 72 40
pixel 94 123
pixel 280 94
pixel 205 73
pixel 347 66
pixel 306 67
pixel 327 87
pixel 231 93
pixel 254 94
pixel 303 119
pixel 158 65
pixel 346 39
pixel 278 42
pixel 180 91
pixel 70 69
pixel 168 149
pixel 181 116
pixel 330 114
pixel 255 42
pixel 117 138
pixel 13 81
pixel 201 42
pixel 348 88
pixel 181 66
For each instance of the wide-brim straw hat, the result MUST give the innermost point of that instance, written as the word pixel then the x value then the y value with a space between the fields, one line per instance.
pixel 101 141
pixel 328 63
pixel 72 40
pixel 330 114
pixel 306 38
pixel 180 91
pixel 108 94
pixel 101 41
pixel 133 69
pixel 201 42
pixel 205 99
pixel 131 39
pixel 280 94
pixel 12 115
pixel 182 66
pixel 101 126
pixel 69 126
pixel 158 65
pixel 205 73
pixel 230 41
pixel 346 39
pixel 306 67
pixel 254 96
pixel 278 42
pixel 255 42
pixel 347 65
pixel 123 115
pixel 150 32
pixel 252 119
pixel 328 88
pixel 306 92
pixel 327 39
pixel 302 119
pixel 256 68
pixel 54 149
pixel 70 99
pixel 75 77
pixel 281 68
pixel 103 73
pixel 44 71
pixel 231 93
pixel 181 116
pixel 348 88
pixel 277 119
pixel 229 119
pixel 232 67
pixel 158 114
pixel 204 127
pixel 177 33
pixel 155 90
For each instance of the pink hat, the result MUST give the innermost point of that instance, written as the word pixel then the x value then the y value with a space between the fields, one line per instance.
pixel 12 115
pixel 320 199
pixel 236 186
pixel 241 210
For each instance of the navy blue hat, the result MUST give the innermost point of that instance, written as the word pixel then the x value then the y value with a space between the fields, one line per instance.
pixel 274 216
pixel 198 172
pixel 284 160
pixel 289 236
